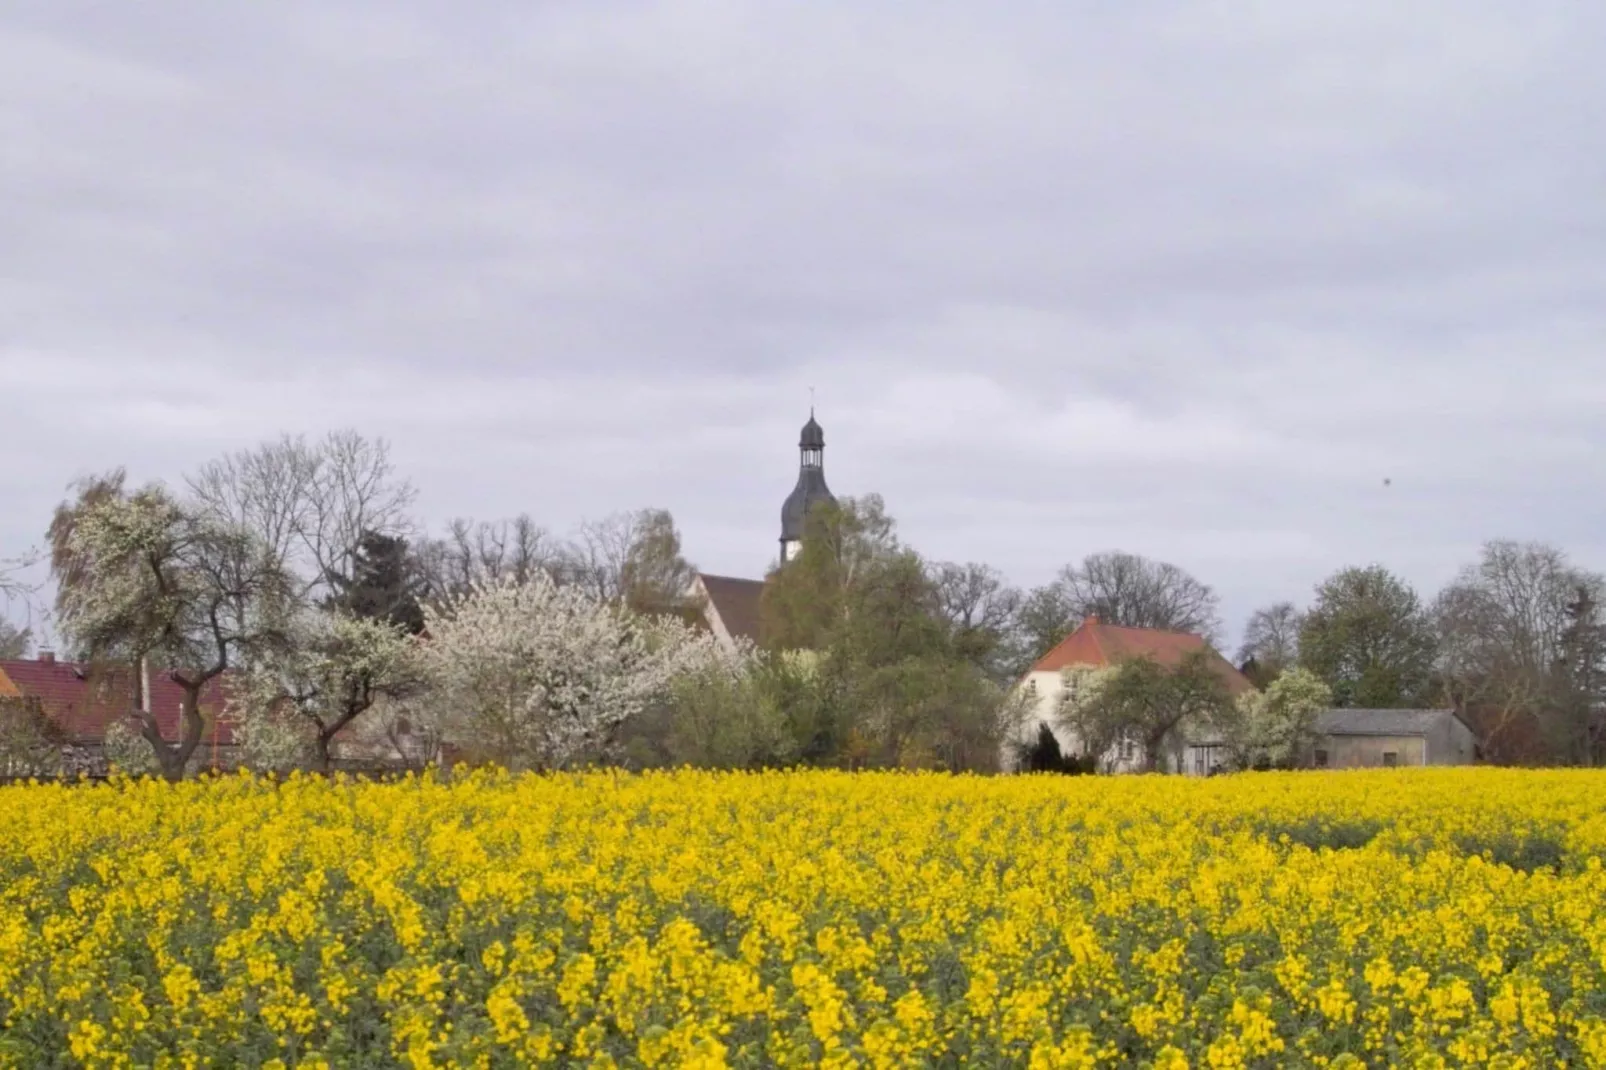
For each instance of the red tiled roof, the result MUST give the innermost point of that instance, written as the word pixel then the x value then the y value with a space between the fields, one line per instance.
pixel 1099 645
pixel 84 700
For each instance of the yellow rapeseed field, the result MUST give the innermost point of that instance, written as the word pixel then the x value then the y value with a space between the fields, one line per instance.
pixel 1401 917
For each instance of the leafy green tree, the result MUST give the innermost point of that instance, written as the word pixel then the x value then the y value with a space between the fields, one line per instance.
pixel 1152 705
pixel 1368 638
pixel 655 578
pixel 1047 615
pixel 804 598
pixel 895 686
pixel 1583 675
pixel 31 744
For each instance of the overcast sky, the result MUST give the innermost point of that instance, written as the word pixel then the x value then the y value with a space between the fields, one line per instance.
pixel 1191 279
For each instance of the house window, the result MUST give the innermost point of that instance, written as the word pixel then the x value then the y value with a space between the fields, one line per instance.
pixel 1321 759
pixel 1129 749
pixel 1391 758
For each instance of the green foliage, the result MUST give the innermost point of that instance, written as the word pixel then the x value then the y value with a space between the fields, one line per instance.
pixel 655 576
pixel 1368 638
pixel 896 685
pixel 1583 676
pixel 14 641
pixel 1047 615
pixel 1151 704
pixel 30 742
pixel 384 584
pixel 1043 755
pixel 759 718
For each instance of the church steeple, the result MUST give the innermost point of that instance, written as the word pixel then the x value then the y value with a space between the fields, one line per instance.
pixel 810 488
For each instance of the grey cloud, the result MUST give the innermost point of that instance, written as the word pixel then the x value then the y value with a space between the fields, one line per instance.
pixel 1190 278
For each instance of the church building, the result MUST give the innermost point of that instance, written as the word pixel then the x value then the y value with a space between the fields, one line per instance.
pixel 731 605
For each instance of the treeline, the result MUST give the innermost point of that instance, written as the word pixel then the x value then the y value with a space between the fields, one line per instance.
pixel 297 571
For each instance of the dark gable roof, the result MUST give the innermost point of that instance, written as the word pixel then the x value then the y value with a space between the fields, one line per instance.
pixel 737 603
pixel 1381 722
pixel 84 700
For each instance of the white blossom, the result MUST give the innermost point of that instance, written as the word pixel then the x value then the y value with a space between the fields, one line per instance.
pixel 330 670
pixel 542 676
pixel 127 751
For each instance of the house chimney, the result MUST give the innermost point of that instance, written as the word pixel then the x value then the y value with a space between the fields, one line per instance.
pixel 144 684
pixel 47 657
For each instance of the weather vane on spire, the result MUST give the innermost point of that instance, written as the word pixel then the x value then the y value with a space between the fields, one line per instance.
pixel 811 401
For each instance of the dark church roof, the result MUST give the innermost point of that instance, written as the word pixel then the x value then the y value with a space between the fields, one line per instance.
pixel 737 603
pixel 813 435
pixel 810 488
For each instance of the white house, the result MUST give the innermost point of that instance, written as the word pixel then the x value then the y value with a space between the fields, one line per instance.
pixel 1095 645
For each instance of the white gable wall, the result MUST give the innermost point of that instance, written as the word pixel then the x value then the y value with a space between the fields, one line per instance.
pixel 1048 688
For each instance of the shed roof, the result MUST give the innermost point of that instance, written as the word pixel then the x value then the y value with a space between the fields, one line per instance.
pixel 1381 722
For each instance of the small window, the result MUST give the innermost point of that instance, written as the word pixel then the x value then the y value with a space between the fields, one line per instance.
pixel 1321 759
pixel 1391 758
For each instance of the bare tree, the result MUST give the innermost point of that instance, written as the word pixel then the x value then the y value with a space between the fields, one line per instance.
pixel 472 553
pixel 982 610
pixel 631 559
pixel 595 558
pixel 1271 641
pixel 1136 592
pixel 1501 627
pixel 311 505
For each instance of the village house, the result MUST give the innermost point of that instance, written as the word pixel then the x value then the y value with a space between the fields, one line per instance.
pixel 1095 645
pixel 82 701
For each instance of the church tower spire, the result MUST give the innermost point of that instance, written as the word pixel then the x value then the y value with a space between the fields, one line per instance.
pixel 809 490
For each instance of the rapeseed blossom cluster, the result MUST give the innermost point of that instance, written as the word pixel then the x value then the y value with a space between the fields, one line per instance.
pixel 1423 918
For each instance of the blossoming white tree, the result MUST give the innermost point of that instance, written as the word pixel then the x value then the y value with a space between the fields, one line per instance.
pixel 1278 725
pixel 331 670
pixel 143 577
pixel 541 676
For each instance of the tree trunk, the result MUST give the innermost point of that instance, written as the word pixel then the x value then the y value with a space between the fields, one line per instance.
pixel 320 749
pixel 175 759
